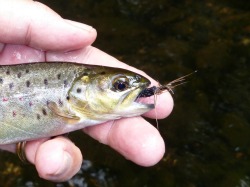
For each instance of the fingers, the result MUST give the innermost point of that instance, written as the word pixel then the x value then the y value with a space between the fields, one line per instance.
pixel 163 105
pixel 134 138
pixel 17 54
pixel 36 25
pixel 57 159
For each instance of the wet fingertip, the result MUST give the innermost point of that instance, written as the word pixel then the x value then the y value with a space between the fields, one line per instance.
pixel 81 25
pixel 152 150
pixel 154 145
pixel 58 159
pixel 68 167
pixel 164 104
pixel 66 163
pixel 51 165
pixel 81 35
pixel 142 145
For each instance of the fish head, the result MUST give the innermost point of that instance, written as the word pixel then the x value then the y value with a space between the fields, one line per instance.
pixel 108 93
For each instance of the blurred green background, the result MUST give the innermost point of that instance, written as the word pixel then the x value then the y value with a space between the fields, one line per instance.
pixel 208 133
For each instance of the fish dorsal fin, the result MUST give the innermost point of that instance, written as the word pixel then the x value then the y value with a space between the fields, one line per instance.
pixel 62 113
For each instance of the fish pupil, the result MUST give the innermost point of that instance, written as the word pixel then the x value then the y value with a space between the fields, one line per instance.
pixel 121 86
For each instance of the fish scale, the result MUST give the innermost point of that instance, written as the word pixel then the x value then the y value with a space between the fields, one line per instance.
pixel 47 99
pixel 27 102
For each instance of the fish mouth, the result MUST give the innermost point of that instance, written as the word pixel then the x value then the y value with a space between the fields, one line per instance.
pixel 138 101
pixel 148 92
pixel 144 105
pixel 131 105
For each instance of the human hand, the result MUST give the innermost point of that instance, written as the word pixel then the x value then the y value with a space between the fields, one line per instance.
pixel 38 34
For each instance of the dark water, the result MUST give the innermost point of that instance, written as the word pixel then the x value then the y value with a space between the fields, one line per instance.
pixel 208 133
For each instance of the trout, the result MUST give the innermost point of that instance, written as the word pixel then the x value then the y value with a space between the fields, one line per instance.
pixel 48 99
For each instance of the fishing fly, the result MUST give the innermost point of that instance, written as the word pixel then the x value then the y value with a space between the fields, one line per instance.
pixel 154 90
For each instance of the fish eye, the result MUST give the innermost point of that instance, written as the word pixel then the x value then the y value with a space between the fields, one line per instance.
pixel 120 84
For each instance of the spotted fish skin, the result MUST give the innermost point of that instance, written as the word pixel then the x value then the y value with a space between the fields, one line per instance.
pixel 47 99
pixel 24 96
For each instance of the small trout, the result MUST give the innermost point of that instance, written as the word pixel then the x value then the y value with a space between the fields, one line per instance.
pixel 48 99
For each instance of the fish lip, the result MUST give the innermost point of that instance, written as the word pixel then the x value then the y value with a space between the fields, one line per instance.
pixel 149 106
pixel 136 101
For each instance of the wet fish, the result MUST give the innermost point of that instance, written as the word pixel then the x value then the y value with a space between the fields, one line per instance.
pixel 48 99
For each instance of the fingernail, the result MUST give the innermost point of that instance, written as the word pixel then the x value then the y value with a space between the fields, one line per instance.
pixel 80 25
pixel 66 164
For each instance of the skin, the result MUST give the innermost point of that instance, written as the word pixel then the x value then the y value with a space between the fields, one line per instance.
pixel 37 33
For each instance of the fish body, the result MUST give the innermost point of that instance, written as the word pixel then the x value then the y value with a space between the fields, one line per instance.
pixel 48 99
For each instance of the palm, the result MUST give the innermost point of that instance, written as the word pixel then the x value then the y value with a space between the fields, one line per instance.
pixel 21 41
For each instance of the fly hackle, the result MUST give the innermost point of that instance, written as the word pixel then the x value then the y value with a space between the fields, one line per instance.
pixel 157 90
pixel 171 85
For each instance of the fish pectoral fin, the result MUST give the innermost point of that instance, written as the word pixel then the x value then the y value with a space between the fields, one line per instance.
pixel 63 113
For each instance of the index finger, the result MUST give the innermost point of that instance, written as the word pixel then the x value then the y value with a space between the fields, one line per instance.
pixel 36 25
